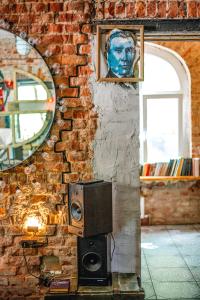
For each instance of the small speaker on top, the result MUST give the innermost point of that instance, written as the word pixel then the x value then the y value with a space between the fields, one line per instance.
pixel 90 208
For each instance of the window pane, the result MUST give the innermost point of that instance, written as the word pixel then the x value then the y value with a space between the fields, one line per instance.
pixel 28 125
pixel 159 75
pixel 162 129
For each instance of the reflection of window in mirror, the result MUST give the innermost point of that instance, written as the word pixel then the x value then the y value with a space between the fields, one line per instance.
pixel 26 108
pixel 165 104
pixel 27 100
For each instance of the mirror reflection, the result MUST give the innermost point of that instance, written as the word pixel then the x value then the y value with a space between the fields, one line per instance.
pixel 27 100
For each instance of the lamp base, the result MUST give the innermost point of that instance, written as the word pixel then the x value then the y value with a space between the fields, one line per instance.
pixel 32 244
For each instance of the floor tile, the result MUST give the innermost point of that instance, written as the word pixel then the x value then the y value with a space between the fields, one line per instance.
pixel 196 273
pixel 171 274
pixel 161 250
pixel 192 260
pixel 143 262
pixel 167 261
pixel 188 250
pixel 173 290
pixel 145 275
pixel 180 228
pixel 172 254
pixel 149 290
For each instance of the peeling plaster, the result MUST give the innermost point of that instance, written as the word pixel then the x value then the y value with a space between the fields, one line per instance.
pixel 116 159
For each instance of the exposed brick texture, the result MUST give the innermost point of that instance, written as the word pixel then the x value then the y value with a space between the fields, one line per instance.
pixel 116 9
pixel 62 27
pixel 172 203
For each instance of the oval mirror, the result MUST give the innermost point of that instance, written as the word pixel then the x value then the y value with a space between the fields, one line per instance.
pixel 27 100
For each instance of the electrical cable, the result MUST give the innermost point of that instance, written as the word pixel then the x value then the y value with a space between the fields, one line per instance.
pixel 27 266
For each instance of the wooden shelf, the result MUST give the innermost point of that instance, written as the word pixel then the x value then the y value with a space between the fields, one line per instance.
pixel 165 178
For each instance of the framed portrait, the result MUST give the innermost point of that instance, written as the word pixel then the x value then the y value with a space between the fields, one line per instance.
pixel 120 53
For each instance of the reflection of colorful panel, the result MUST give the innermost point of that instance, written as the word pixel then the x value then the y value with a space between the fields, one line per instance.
pixel 1 100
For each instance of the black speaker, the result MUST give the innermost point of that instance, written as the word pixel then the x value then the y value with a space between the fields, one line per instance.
pixel 90 208
pixel 94 261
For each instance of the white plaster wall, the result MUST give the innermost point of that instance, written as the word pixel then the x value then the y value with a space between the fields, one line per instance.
pixel 116 159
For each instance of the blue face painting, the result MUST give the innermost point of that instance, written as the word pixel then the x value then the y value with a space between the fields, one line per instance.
pixel 120 56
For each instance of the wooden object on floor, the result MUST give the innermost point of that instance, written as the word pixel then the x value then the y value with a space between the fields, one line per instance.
pixel 124 287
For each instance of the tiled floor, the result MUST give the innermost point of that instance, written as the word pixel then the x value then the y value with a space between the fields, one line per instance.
pixel 171 262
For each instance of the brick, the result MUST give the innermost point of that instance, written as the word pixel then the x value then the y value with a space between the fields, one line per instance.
pixel 74 60
pixel 73 102
pixel 46 18
pixel 55 28
pixel 77 6
pixel 13 230
pixel 86 28
pixel 80 114
pixel 109 9
pixel 51 39
pixel 172 9
pixel 198 10
pixel 130 10
pixel 69 49
pixel 3 281
pixel 38 29
pixel 79 124
pixel 72 28
pixel 6 241
pixel 63 230
pixel 8 271
pixel 71 177
pixel 39 7
pixel 120 9
pixel 78 81
pixel 81 17
pixel 151 8
pixel 85 49
pixel 68 92
pixel 80 38
pixel 76 156
pixel 85 70
pixel 56 7
pixel 162 9
pixel 140 7
pixel 99 10
pixel 22 8
pixel 65 17
pixel 182 9
pixel 192 9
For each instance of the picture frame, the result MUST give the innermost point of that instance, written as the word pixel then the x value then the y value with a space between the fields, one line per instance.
pixel 120 53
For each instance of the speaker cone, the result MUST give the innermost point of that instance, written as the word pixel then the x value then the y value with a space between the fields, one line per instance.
pixel 92 261
pixel 76 211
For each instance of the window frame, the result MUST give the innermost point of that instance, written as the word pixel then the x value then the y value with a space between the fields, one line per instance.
pixel 184 103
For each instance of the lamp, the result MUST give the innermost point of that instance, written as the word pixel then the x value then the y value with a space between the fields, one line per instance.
pixel 33 224
pixel 23 48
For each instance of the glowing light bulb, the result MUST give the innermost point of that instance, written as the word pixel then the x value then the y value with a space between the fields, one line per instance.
pixel 32 224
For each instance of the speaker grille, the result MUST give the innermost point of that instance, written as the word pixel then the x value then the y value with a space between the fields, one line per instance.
pixel 76 211
pixel 92 261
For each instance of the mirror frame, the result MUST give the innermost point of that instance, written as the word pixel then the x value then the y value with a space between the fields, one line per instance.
pixel 54 96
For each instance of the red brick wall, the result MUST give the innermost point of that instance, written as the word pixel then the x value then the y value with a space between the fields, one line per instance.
pixel 62 27
pixel 121 9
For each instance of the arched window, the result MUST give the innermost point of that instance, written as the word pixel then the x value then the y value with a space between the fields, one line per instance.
pixel 164 106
